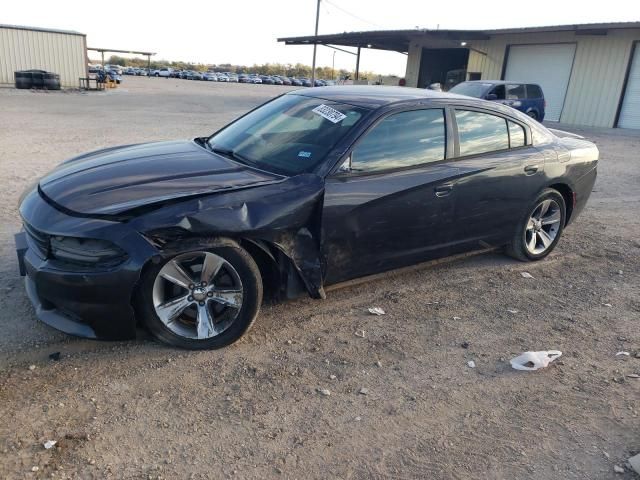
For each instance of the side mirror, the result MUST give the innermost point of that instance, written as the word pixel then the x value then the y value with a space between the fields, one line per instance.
pixel 492 96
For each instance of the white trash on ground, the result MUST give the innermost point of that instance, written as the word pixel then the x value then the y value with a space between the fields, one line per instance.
pixel 49 444
pixel 635 463
pixel 622 354
pixel 530 361
pixel 526 275
pixel 376 311
pixel 471 364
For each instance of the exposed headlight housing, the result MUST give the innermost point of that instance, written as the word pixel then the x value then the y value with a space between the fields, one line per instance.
pixel 86 251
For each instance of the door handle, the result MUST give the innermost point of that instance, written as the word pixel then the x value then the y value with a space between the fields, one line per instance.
pixel 443 190
pixel 531 169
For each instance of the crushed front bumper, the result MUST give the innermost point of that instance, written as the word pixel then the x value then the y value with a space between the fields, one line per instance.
pixel 81 301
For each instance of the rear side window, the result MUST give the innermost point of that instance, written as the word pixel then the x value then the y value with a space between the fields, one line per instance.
pixel 534 91
pixel 402 140
pixel 481 132
pixel 515 92
pixel 516 135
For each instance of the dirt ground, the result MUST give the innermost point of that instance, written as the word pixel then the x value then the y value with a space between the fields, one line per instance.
pixel 138 409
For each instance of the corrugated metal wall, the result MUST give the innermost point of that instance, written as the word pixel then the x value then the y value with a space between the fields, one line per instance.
pixel 61 53
pixel 597 77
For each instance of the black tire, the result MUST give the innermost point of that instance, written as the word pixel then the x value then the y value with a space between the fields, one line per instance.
pixel 249 274
pixel 532 114
pixel 517 248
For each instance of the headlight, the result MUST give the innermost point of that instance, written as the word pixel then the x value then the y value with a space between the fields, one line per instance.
pixel 86 251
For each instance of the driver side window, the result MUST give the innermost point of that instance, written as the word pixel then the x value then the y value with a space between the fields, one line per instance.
pixel 402 140
pixel 498 91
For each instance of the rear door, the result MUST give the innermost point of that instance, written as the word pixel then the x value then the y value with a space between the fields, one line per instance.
pixel 393 204
pixel 500 175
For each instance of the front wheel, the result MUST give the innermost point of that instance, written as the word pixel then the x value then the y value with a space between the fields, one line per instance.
pixel 202 298
pixel 539 231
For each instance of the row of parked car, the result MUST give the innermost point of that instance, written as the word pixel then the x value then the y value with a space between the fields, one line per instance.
pixel 226 77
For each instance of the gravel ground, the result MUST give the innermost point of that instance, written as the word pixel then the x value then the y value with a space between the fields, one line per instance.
pixel 254 410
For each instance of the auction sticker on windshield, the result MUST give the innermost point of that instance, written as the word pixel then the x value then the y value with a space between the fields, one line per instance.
pixel 329 113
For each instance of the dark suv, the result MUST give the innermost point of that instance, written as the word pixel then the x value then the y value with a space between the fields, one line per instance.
pixel 526 97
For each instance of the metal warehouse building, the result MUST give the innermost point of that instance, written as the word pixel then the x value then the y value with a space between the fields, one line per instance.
pixel 58 51
pixel 590 73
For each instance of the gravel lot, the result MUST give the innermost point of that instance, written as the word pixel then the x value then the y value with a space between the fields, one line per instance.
pixel 141 410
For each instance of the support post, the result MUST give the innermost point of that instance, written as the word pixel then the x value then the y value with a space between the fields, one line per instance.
pixel 102 53
pixel 315 46
pixel 358 65
pixel 148 66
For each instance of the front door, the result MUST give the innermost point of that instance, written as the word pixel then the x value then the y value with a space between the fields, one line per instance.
pixel 395 202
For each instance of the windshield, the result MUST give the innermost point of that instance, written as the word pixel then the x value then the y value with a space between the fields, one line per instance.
pixel 289 135
pixel 471 89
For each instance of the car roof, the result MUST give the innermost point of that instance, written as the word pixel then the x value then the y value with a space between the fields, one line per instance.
pixel 374 96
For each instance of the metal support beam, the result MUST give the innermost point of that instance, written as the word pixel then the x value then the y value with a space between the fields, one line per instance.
pixel 315 46
pixel 358 65
pixel 340 49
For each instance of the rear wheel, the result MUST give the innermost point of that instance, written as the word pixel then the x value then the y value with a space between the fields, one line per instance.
pixel 540 229
pixel 202 299
pixel 533 114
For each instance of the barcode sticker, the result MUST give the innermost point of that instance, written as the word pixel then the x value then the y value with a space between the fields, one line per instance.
pixel 331 114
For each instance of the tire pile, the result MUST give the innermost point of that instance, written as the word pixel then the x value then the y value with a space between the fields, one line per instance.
pixel 42 79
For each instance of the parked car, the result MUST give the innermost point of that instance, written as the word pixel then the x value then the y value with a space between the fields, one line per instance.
pixel 319 83
pixel 163 72
pixel 223 78
pixel 526 97
pixel 285 80
pixel 255 79
pixel 129 71
pixel 296 82
pixel 210 76
pixel 277 80
pixel 115 76
pixel 305 82
pixel 370 179
pixel 243 78
pixel 233 78
pixel 266 79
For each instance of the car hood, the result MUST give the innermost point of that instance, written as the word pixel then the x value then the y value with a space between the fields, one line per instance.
pixel 114 180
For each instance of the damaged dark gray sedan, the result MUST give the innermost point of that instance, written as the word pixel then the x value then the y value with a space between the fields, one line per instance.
pixel 312 188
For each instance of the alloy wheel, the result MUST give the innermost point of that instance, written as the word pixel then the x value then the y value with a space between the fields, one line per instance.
pixel 543 226
pixel 197 295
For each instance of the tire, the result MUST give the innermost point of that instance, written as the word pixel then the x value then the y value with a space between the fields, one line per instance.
pixel 532 114
pixel 538 234
pixel 155 293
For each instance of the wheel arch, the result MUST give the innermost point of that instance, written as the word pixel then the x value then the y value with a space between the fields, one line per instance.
pixel 568 194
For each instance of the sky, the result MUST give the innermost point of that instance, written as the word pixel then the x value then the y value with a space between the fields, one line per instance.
pixel 245 31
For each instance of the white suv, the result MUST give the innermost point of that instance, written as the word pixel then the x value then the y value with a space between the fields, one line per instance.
pixel 163 72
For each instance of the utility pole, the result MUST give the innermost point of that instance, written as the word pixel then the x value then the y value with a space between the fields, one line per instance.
pixel 315 45
pixel 333 65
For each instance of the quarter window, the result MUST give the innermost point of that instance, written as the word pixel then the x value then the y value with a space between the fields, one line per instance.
pixel 516 135
pixel 402 140
pixel 533 91
pixel 481 132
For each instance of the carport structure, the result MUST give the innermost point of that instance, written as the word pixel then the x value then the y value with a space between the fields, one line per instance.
pixel 590 73
pixel 131 52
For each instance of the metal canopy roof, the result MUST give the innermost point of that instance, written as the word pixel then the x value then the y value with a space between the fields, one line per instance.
pixel 398 40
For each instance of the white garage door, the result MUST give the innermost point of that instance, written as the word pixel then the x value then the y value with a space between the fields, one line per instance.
pixel 547 65
pixel 630 112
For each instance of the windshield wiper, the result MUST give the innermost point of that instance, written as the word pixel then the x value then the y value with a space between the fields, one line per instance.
pixel 228 152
